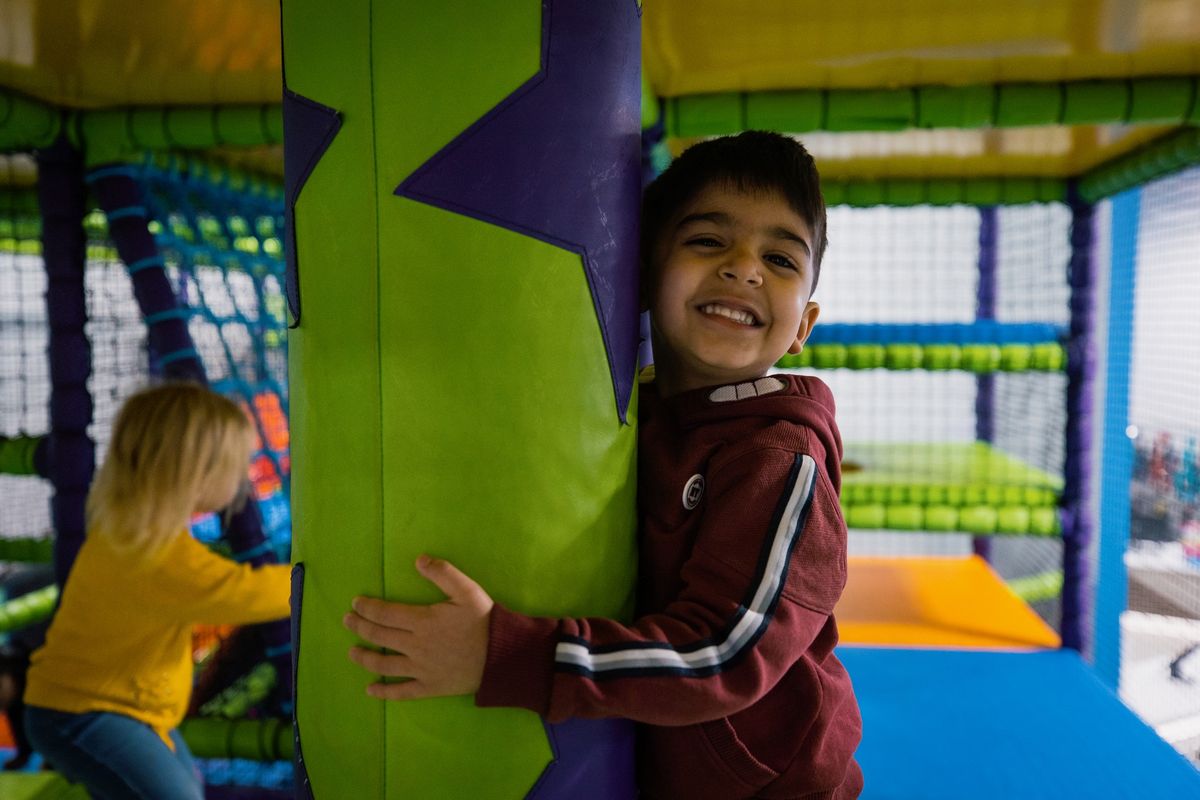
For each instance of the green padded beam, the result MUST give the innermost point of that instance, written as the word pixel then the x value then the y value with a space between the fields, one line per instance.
pixel 118 134
pixel 1039 587
pixel 252 739
pixel 450 395
pixel 28 609
pixel 114 134
pixel 1157 159
pixel 978 358
pixel 1159 101
pixel 944 191
pixel 26 124
pixel 16 453
pixel 38 551
pixel 236 700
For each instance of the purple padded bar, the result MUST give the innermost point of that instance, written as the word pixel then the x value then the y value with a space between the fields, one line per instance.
pixel 70 454
pixel 120 196
pixel 171 347
pixel 985 308
pixel 593 760
pixel 1076 522
pixel 558 160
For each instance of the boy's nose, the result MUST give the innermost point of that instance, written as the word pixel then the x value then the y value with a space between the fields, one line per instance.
pixel 743 269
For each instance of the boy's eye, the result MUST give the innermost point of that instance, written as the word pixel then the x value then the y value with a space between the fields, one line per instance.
pixel 704 241
pixel 781 261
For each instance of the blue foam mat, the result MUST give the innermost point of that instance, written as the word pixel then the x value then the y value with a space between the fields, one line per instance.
pixel 983 725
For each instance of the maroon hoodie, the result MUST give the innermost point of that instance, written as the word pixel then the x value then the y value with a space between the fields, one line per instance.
pixel 743 555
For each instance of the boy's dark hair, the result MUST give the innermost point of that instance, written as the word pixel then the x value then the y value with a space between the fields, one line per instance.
pixel 751 161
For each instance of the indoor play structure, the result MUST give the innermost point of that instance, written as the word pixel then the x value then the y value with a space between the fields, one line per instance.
pixel 442 209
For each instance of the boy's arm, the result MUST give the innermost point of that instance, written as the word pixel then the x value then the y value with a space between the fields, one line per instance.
pixel 759 588
pixel 766 569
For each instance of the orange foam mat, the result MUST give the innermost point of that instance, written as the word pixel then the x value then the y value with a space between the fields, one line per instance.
pixel 936 602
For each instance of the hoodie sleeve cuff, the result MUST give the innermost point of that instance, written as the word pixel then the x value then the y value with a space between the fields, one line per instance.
pixel 520 661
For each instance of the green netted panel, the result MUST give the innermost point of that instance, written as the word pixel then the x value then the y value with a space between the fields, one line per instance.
pixel 942 334
pixel 25 527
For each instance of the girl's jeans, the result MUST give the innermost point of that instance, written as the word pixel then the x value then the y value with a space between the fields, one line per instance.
pixel 114 756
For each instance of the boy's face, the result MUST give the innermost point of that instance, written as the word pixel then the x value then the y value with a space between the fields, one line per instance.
pixel 729 290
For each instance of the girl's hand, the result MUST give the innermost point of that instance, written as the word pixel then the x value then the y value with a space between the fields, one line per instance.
pixel 440 648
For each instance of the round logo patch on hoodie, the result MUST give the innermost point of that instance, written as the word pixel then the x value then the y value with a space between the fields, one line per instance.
pixel 693 490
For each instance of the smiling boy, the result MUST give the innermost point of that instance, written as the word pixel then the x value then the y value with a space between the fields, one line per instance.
pixel 729 664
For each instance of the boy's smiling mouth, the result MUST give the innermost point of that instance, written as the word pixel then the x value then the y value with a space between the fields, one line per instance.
pixel 739 315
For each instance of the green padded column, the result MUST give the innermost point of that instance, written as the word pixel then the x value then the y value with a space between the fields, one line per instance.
pixel 450 395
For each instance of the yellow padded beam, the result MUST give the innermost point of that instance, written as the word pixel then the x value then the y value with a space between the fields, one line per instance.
pixel 936 602
pixel 704 46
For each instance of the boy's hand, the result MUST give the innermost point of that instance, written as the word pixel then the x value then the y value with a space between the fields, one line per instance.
pixel 441 648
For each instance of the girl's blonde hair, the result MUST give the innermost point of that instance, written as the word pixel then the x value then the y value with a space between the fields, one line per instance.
pixel 171 444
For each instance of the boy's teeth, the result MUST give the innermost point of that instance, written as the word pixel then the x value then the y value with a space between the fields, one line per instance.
pixel 737 316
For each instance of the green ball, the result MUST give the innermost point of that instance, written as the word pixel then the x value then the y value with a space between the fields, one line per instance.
pixel 829 356
pixel 905 518
pixel 942 356
pixel 979 519
pixel 981 357
pixel 1044 521
pixel 789 361
pixel 1049 356
pixel 865 356
pixel 869 517
pixel 1016 357
pixel 1013 519
pixel 941 518
pixel 904 356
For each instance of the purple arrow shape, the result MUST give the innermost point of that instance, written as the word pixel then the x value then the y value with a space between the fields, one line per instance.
pixel 558 160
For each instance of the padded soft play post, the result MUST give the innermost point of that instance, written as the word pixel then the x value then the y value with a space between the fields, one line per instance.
pixel 463 183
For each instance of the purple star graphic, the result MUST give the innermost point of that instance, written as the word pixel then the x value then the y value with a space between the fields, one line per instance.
pixel 308 130
pixel 559 160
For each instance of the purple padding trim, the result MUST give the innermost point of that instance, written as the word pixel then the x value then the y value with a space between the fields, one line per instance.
pixel 1076 520
pixel 244 531
pixel 985 309
pixel 558 160
pixel 168 334
pixel 70 454
pixel 303 787
pixel 593 760
pixel 308 130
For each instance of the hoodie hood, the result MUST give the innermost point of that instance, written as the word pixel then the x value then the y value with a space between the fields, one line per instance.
pixel 801 400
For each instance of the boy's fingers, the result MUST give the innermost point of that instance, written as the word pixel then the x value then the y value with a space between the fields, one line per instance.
pixel 391 665
pixel 382 635
pixel 393 615
pixel 453 582
pixel 408 690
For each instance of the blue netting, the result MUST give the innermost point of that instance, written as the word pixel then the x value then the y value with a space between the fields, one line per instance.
pixel 1160 626
pixel 219 237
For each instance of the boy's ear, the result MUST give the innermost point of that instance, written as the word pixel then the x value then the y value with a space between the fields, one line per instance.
pixel 807 320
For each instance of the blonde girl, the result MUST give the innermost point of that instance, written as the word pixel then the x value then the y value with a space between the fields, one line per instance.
pixel 110 686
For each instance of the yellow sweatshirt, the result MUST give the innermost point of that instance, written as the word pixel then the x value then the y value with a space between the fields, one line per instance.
pixel 121 640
